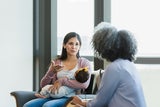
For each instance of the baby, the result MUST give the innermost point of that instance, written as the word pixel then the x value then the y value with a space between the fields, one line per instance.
pixel 81 75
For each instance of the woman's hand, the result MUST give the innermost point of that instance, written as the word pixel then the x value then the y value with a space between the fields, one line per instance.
pixel 55 87
pixel 78 101
pixel 55 67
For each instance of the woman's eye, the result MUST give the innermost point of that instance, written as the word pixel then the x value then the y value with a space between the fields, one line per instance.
pixel 70 43
pixel 77 44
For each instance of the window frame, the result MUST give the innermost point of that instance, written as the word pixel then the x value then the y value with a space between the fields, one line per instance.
pixel 139 59
pixel 45 29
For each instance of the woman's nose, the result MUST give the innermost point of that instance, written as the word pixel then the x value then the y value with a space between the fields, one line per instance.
pixel 74 45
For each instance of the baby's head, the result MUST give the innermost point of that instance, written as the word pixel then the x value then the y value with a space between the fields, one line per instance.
pixel 82 75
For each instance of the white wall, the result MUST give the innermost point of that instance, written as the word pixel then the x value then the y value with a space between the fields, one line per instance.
pixel 16 48
pixel 150 76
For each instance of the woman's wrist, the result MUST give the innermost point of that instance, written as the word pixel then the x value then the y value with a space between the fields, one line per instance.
pixel 84 103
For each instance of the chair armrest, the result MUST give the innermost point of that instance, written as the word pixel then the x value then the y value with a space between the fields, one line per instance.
pixel 22 97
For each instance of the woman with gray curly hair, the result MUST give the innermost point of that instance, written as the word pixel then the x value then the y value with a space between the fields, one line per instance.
pixel 120 85
pixel 111 44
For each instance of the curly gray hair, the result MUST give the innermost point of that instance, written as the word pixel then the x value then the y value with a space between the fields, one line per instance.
pixel 111 44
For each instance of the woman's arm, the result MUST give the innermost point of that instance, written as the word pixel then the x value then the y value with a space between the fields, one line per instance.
pixel 108 85
pixel 50 76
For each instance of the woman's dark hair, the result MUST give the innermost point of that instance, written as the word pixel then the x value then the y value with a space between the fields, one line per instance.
pixel 112 44
pixel 66 39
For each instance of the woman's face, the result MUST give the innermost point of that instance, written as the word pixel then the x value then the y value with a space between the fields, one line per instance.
pixel 72 46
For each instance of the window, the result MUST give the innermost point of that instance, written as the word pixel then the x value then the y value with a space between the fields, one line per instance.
pixel 76 16
pixel 142 18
